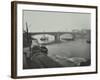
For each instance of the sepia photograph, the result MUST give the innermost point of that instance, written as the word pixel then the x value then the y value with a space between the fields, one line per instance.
pixel 53 39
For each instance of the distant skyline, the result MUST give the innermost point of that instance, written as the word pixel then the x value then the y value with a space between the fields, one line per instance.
pixel 39 21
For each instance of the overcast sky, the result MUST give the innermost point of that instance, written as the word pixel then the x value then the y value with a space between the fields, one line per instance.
pixel 39 21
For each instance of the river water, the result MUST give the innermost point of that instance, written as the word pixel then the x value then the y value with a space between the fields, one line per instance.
pixel 74 48
pixel 69 49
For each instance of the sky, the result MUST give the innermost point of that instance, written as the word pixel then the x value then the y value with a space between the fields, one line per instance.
pixel 40 21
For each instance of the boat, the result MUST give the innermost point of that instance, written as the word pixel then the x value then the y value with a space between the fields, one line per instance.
pixel 44 38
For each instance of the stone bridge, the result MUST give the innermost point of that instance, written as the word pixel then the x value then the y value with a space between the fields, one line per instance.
pixel 55 34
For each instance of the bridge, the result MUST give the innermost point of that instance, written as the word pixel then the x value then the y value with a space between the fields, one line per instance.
pixel 55 34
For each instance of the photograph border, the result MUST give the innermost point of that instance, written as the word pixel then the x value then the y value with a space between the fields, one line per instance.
pixel 14 37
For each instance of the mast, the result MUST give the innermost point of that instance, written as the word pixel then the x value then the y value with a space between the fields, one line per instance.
pixel 27 29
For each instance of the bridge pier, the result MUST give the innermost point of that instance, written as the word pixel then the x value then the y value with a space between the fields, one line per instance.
pixel 57 37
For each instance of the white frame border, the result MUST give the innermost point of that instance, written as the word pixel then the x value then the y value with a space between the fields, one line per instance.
pixel 35 72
